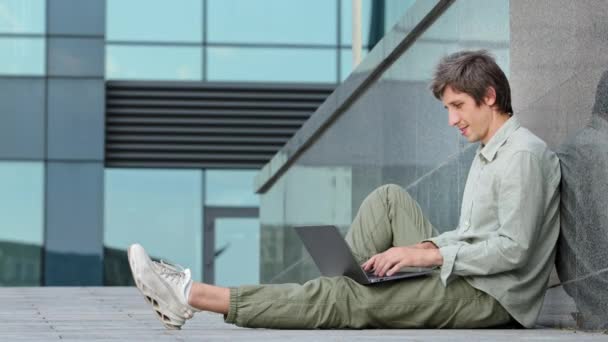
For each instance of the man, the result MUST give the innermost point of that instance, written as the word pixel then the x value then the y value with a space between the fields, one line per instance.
pixel 494 266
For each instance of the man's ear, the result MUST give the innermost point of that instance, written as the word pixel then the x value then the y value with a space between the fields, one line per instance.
pixel 490 98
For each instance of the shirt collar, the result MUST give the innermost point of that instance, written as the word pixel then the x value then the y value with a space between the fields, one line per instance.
pixel 500 137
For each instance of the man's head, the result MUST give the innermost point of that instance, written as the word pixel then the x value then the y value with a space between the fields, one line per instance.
pixel 475 92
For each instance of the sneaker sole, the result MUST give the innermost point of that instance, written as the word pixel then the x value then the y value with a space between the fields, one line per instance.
pixel 151 299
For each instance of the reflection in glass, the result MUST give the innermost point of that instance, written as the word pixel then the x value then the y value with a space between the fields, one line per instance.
pixel 390 13
pixel 487 29
pixel 484 29
pixel 153 62
pixel 394 10
pixel 272 21
pixel 318 195
pixel 305 195
pixel 231 188
pixel 75 124
pixel 22 16
pixel 22 56
pixel 272 64
pixel 156 20
pixel 161 209
pixel 239 261
pixel 22 118
pixel 75 57
pixel 21 219
pixel 346 21
pixel 346 62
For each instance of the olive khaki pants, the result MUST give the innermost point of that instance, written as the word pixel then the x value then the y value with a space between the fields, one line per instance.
pixel 388 217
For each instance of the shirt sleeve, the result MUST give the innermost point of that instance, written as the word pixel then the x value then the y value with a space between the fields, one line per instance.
pixel 444 239
pixel 520 209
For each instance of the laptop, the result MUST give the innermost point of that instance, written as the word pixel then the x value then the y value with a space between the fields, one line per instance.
pixel 333 257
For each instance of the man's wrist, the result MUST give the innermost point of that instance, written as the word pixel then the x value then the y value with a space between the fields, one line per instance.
pixel 430 257
pixel 437 258
pixel 428 245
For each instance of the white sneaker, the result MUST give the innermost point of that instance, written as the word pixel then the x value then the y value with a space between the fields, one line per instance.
pixel 165 287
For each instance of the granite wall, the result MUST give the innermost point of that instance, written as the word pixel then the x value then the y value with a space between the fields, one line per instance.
pixel 559 52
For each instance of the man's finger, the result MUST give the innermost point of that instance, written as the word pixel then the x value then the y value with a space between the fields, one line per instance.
pixel 365 265
pixel 370 262
pixel 378 266
pixel 394 269
pixel 387 267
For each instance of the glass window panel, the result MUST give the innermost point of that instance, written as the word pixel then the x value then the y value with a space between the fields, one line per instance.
pixel 74 223
pixel 156 20
pixel 75 119
pixel 316 195
pixel 77 17
pixel 21 219
pixel 22 56
pixel 22 16
pixel 393 10
pixel 239 262
pixel 76 57
pixel 272 21
pixel 22 122
pixel 450 33
pixel 485 30
pixel 161 209
pixel 346 23
pixel 346 62
pixel 231 188
pixel 153 62
pixel 272 64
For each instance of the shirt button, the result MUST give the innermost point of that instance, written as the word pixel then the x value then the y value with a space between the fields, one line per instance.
pixel 467 224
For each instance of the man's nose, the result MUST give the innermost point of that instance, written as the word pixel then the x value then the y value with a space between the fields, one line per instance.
pixel 453 118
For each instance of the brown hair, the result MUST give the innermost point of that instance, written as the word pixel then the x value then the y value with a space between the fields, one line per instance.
pixel 473 72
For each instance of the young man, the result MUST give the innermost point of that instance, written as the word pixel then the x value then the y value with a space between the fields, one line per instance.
pixel 494 266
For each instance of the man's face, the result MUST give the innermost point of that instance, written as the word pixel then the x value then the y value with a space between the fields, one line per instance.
pixel 473 121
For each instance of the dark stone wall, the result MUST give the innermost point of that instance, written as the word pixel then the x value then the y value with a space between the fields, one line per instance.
pixel 559 52
pixel 582 261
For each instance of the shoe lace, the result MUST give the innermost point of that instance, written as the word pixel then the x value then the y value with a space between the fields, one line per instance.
pixel 172 272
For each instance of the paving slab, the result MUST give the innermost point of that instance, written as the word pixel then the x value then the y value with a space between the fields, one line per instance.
pixel 121 314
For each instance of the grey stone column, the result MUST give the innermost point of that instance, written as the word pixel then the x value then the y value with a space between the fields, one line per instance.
pixel 74 153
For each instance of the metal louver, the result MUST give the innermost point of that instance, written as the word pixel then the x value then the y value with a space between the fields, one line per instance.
pixel 204 125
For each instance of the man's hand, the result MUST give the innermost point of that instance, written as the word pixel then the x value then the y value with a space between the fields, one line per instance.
pixel 392 260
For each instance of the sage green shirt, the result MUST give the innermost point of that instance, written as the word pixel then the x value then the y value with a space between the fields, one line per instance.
pixel 505 241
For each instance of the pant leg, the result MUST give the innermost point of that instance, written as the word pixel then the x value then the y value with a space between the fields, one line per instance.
pixel 388 217
pixel 340 302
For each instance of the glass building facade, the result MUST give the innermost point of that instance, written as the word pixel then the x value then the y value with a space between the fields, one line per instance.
pixel 238 40
pixel 67 218
pixel 22 170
